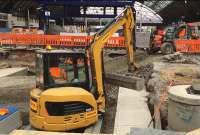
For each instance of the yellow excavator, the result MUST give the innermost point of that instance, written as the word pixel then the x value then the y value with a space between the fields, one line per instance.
pixel 70 84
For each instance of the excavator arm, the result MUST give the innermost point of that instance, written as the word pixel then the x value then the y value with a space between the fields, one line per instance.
pixel 125 20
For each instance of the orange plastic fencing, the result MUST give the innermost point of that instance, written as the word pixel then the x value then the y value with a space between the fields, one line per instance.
pixel 56 40
pixel 192 46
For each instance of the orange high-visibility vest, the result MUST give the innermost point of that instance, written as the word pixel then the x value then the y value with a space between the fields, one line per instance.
pixel 182 33
pixel 58 73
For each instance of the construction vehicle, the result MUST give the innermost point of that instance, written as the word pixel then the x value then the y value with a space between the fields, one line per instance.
pixel 160 38
pixel 165 39
pixel 157 39
pixel 70 91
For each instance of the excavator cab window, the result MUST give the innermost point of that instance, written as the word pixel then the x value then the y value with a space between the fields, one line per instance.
pixel 62 69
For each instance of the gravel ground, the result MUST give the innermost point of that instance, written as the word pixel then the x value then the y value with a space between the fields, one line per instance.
pixel 163 73
pixel 19 88
pixel 155 83
pixel 19 59
pixel 119 64
pixel 15 91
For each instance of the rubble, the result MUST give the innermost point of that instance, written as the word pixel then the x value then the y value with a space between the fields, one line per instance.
pixel 162 74
pixel 181 58
pixel 155 70
pixel 144 72
pixel 111 106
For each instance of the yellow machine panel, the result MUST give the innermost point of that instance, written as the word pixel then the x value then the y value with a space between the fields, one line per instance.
pixel 49 112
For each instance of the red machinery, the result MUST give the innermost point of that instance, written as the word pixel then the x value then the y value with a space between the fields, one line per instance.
pixel 158 38
pixel 191 41
pixel 161 36
pixel 182 38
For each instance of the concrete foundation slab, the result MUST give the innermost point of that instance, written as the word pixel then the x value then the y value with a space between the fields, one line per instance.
pixel 148 131
pixel 132 111
pixel 12 72
pixel 28 132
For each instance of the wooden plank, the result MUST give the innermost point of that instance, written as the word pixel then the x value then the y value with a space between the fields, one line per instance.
pixel 29 132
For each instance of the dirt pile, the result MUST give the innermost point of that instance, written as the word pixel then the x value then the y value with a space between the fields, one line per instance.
pixel 20 63
pixel 144 72
pixel 19 58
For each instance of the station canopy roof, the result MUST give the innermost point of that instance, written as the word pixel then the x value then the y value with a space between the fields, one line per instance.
pixel 152 11
pixel 157 5
pixel 144 14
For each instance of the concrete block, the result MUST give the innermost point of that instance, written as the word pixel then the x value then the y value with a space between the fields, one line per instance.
pixel 150 131
pixel 132 111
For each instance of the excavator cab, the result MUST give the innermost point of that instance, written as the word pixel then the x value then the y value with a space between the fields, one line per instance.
pixel 58 68
pixel 62 99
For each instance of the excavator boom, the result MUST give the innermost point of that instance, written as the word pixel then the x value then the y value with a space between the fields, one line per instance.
pixel 125 20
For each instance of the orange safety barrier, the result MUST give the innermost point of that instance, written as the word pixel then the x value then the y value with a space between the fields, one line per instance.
pixel 56 40
pixel 192 46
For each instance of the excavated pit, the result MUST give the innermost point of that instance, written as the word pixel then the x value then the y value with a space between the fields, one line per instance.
pixel 16 91
pixel 156 71
pixel 179 68
pixel 19 92
pixel 111 106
